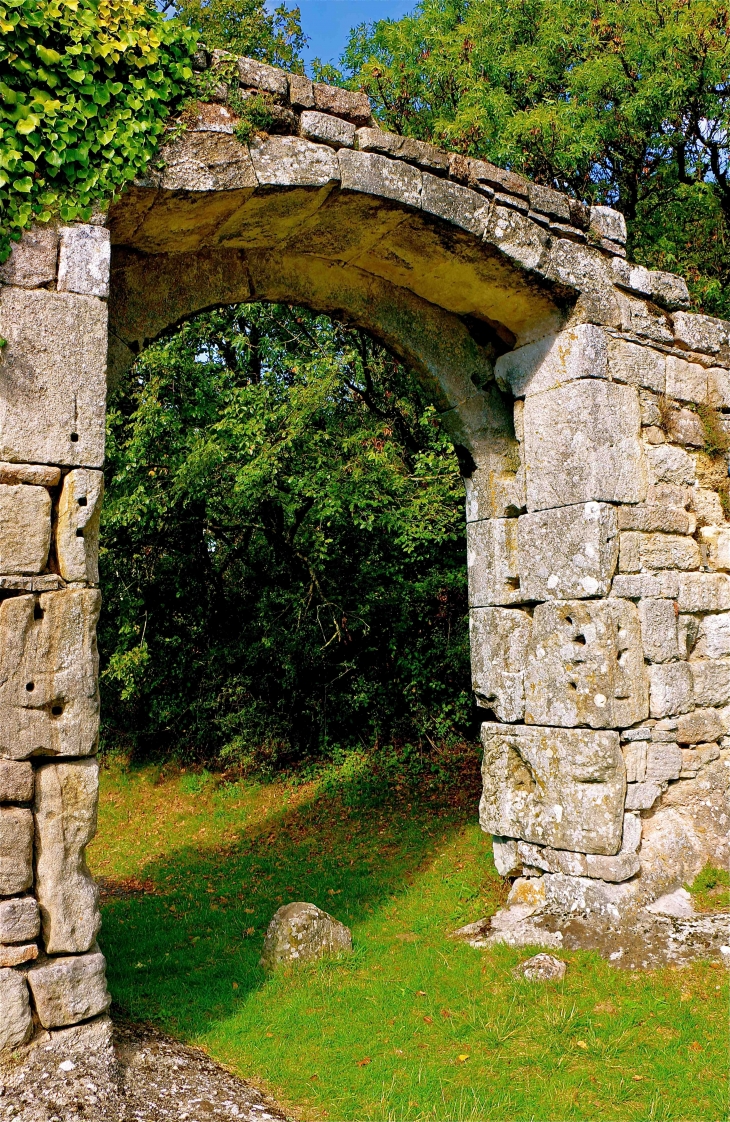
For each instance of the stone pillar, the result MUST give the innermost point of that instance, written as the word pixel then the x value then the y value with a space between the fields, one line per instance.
pixel 600 611
pixel 53 322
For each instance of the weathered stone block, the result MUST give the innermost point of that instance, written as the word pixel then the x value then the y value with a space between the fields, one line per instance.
pixel 663 762
pixel 558 787
pixel 585 665
pixel 301 932
pixel 353 105
pixel 612 869
pixel 455 204
pixel 637 366
pixel 16 850
pixel 18 955
pixel 492 562
pixel 69 990
pixel 656 517
pixel 25 528
pixel 20 920
pixel 685 427
pixel 670 689
pixel 608 223
pixel 642 796
pixel 657 551
pixel 377 175
pixel 65 822
pixel 715 544
pixel 578 352
pixel 496 489
pixel 659 630
pixel 253 74
pixel 711 679
pixel 669 464
pixel 707 507
pixel 499 639
pixel 77 525
pixel 657 585
pixel 547 201
pixel 713 637
pixel 635 759
pixel 16 1023
pixel 16 782
pixel 32 260
pixel 668 290
pixel 325 129
pixel 49 703
pixel 518 238
pixel 703 592
pixel 582 444
pixel 506 857
pixel 52 377
pixel 301 91
pixel 686 381
pixel 718 387
pixel 567 552
pixel 36 474
pixel 700 727
pixel 200 162
pixel 291 161
pixel 83 260
pixel 700 333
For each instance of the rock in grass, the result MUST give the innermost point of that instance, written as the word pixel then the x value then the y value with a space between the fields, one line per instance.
pixel 301 932
pixel 541 968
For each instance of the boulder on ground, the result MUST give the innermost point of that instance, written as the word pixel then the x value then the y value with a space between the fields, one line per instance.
pixel 301 932
pixel 541 968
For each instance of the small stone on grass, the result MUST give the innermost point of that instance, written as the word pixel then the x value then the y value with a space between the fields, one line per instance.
pixel 541 968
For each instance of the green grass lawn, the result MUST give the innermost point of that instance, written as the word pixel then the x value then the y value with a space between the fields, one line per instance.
pixel 412 1025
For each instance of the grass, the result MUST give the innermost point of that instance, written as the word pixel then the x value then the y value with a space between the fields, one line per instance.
pixel 412 1026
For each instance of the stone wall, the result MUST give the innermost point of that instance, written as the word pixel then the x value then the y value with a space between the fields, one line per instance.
pixel 590 412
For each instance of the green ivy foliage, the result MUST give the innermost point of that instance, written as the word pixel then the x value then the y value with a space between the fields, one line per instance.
pixel 85 89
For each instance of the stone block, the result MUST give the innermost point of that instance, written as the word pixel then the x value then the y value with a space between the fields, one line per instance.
pixel 559 787
pixel 631 839
pixel 20 920
pixel 608 223
pixel 713 636
pixel 685 427
pixel 578 352
pixel 496 489
pixel 659 630
pixel 324 129
pixel 352 105
pixel 301 91
pixel 686 381
pixel 612 869
pixel 25 528
pixel 289 161
pixel 635 759
pixel 582 444
pixel 301 932
pixel 707 507
pixel 567 552
pixel 16 1023
pixel 711 679
pixel 377 175
pixel 642 796
pixel 635 278
pixel 506 856
pixel 455 204
pixel 499 640
pixel 36 474
pixel 17 955
pixel 700 333
pixel 668 290
pixel 703 592
pixel 547 201
pixel 66 799
pixel 655 517
pixel 199 162
pixel 641 552
pixel 16 850
pixel 518 238
pixel 585 665
pixel 636 365
pixel 718 387
pixel 657 585
pixel 16 782
pixel 669 464
pixel 52 377
pixel 83 260
pixel 49 702
pixel 483 176
pixel 670 689
pixel 687 628
pixel 492 562
pixel 663 762
pixel 77 525
pixel 256 75
pixel 69 990
pixel 715 544
pixel 642 319
pixel 700 727
pixel 32 260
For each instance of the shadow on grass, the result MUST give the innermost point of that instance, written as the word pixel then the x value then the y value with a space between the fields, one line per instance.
pixel 184 947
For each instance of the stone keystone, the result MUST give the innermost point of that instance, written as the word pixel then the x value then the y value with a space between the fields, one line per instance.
pixel 65 822
pixel 49 703
pixel 563 788
pixel 301 932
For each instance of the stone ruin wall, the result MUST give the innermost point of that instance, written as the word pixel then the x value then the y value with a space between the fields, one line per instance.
pixel 598 546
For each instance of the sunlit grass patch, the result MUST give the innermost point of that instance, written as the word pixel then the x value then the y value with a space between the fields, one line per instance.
pixel 711 889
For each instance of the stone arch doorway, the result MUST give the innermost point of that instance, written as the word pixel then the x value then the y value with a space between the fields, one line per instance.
pixel 573 385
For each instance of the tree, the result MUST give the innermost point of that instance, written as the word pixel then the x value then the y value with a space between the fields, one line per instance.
pixel 246 27
pixel 618 101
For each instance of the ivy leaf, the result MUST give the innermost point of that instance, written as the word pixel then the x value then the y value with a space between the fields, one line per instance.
pixel 25 184
pixel 47 55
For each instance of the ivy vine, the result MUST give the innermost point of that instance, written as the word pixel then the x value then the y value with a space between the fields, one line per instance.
pixel 85 89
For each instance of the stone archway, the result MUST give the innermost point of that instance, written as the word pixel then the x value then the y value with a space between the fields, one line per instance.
pixel 579 394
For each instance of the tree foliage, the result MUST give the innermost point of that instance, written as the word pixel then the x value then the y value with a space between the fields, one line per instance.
pixel 618 101
pixel 282 546
pixel 246 27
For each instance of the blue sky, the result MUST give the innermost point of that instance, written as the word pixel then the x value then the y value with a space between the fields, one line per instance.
pixel 328 22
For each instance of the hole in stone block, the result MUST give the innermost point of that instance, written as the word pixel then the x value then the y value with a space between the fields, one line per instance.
pixel 56 710
pixel 74 437
pixel 38 612
pixel 30 686
pixel 571 686
pixel 580 639
pixel 79 533
pixel 513 583
pixel 82 500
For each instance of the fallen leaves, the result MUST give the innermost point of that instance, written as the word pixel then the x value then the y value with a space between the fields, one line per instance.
pixel 581 1044
pixel 364 1062
pixel 462 1058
